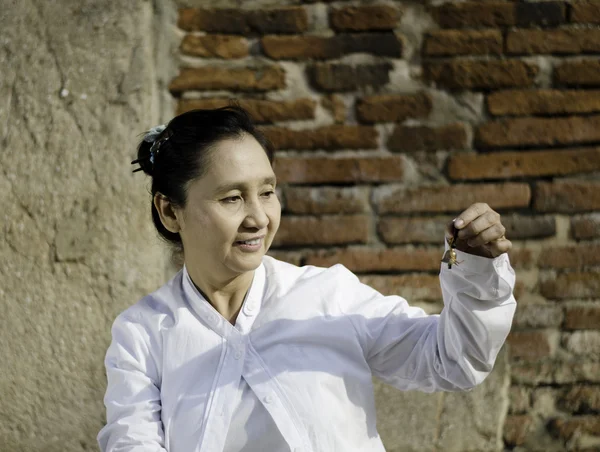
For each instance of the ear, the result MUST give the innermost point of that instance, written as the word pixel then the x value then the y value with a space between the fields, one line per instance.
pixel 167 212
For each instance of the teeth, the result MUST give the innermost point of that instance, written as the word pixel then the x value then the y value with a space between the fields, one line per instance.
pixel 251 242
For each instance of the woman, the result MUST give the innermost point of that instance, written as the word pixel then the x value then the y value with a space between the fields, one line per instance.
pixel 241 352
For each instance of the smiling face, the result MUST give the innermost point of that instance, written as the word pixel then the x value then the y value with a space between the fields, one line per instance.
pixel 232 212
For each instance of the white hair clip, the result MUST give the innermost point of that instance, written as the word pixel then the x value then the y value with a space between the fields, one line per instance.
pixel 153 133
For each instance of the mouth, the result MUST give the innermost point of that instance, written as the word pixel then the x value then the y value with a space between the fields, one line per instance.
pixel 252 244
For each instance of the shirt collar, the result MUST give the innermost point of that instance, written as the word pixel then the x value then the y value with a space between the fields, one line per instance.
pixel 209 315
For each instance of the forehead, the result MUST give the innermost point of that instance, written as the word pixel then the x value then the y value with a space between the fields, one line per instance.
pixel 237 160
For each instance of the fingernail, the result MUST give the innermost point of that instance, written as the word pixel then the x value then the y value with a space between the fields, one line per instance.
pixel 458 223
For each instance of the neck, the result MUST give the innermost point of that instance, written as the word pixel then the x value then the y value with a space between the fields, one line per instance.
pixel 225 294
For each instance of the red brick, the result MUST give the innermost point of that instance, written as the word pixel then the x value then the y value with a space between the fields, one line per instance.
pixel 318 47
pixel 538 315
pixel 325 230
pixel 506 165
pixel 412 287
pixel 240 79
pixel 473 74
pixel 300 47
pixel 453 198
pixel 573 41
pixel 566 428
pixel 585 227
pixel 463 42
pixel 364 260
pixel 262 111
pixel 531 345
pixel 585 12
pixel 292 257
pixel 572 256
pixel 519 227
pixel 567 196
pixel 578 73
pixel 412 230
pixel 215 46
pixel 423 138
pixel 516 429
pixel 581 399
pixel 520 257
pixel 582 317
pixel 244 22
pixel 538 132
pixel 545 14
pixel 543 102
pixel 329 138
pixel 532 373
pixel 353 170
pixel 473 14
pixel 319 200
pixel 343 77
pixel 555 371
pixel 520 399
pixel 393 108
pixel 365 17
pixel 571 285
pixel 335 106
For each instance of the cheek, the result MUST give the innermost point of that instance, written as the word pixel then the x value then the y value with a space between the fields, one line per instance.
pixel 211 226
pixel 274 214
pixel 227 224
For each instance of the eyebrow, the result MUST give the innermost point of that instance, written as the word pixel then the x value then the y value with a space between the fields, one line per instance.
pixel 241 185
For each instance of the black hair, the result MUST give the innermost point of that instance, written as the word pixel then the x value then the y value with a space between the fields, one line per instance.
pixel 182 154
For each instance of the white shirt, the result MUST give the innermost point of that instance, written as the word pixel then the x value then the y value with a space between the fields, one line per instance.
pixel 252 427
pixel 301 356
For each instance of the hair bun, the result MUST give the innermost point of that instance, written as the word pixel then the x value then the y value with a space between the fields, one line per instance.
pixel 144 158
pixel 148 149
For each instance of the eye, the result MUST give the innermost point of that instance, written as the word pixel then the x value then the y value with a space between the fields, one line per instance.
pixel 268 194
pixel 231 199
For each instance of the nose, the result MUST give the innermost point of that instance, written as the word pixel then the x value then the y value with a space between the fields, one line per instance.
pixel 256 217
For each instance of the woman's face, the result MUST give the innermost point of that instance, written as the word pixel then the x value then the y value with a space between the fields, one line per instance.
pixel 232 212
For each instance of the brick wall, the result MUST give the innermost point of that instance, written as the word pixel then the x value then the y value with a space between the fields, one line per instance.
pixel 391 117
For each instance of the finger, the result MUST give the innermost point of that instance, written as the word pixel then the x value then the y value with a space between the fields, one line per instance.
pixel 472 212
pixel 449 232
pixel 489 235
pixel 500 246
pixel 479 224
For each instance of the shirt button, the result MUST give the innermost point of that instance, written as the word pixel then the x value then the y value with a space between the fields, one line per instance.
pixel 268 399
pixel 237 355
pixel 250 308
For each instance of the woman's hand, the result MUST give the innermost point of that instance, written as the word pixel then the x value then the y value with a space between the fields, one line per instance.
pixel 481 232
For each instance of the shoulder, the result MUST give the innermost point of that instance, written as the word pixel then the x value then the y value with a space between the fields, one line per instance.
pixel 288 276
pixel 155 308
pixel 277 268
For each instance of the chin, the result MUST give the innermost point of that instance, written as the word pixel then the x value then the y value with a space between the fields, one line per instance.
pixel 247 263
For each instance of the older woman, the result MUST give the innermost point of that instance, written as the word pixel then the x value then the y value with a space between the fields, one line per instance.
pixel 242 352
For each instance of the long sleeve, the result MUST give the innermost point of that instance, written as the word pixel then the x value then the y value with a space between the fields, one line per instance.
pixel 452 351
pixel 133 406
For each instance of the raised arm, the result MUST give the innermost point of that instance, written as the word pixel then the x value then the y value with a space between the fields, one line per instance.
pixel 132 400
pixel 455 350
